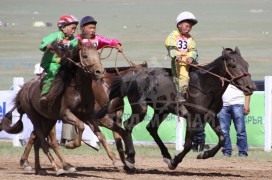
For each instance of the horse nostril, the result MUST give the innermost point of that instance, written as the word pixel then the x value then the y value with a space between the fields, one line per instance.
pixel 97 72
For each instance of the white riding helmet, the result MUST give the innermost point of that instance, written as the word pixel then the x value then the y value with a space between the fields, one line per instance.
pixel 186 16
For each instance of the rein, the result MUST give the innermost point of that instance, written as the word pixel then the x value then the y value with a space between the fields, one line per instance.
pixel 129 62
pixel 223 79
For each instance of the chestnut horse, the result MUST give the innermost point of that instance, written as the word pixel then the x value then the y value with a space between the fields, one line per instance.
pixel 73 102
pixel 101 96
pixel 155 87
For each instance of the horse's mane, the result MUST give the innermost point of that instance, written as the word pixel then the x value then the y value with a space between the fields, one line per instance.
pixel 64 76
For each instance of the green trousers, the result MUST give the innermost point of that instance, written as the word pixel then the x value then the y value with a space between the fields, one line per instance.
pixel 49 77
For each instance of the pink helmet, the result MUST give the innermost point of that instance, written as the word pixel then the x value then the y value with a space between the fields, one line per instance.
pixel 66 20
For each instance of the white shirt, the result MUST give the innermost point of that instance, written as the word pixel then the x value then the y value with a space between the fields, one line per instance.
pixel 232 96
pixel 38 69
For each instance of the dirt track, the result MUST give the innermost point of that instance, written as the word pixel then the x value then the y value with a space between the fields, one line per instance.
pixel 99 167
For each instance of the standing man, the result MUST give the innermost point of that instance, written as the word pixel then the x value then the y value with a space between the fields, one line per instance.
pixel 235 107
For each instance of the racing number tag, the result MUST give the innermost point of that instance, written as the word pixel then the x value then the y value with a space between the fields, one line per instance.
pixel 182 44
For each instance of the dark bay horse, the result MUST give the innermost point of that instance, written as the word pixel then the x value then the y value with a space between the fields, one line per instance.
pixel 101 96
pixel 74 103
pixel 155 87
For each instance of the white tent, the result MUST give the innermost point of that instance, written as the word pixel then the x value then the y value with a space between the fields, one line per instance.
pixel 39 24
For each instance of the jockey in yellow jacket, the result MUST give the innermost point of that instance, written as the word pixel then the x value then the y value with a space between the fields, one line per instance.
pixel 182 47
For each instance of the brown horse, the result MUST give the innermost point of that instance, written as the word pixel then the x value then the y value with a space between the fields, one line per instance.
pixel 101 96
pixel 154 87
pixel 74 103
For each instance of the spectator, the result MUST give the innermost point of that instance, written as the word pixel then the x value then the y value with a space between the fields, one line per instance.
pixel 234 108
pixel 68 133
pixel 198 143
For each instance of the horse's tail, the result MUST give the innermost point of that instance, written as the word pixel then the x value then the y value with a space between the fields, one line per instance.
pixel 114 93
pixel 7 119
pixel 6 124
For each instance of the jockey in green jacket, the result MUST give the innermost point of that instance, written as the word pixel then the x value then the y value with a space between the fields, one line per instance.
pixel 50 61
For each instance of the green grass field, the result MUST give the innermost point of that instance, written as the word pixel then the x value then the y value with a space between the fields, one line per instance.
pixel 6 149
pixel 246 24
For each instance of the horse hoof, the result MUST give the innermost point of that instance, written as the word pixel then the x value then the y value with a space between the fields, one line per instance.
pixel 201 155
pixel 69 168
pixel 60 172
pixel 130 165
pixel 27 168
pixel 169 163
pixel 68 145
pixel 25 165
pixel 118 164
pixel 41 172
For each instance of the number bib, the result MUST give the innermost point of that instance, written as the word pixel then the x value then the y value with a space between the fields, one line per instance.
pixel 183 44
pixel 66 43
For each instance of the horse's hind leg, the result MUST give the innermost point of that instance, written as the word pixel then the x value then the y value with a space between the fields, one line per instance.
pixel 42 127
pixel 139 111
pixel 54 144
pixel 24 158
pixel 38 169
pixel 152 128
pixel 215 124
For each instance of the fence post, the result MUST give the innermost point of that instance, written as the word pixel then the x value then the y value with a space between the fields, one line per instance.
pixel 17 83
pixel 179 134
pixel 267 113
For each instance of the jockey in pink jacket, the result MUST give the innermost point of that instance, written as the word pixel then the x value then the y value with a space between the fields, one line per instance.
pixel 88 34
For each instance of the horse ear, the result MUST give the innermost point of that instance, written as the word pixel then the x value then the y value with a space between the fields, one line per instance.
pixel 145 63
pixel 225 53
pixel 80 43
pixel 237 50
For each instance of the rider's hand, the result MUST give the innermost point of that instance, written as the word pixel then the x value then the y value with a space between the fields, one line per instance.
pixel 49 47
pixel 178 58
pixel 119 48
pixel 189 60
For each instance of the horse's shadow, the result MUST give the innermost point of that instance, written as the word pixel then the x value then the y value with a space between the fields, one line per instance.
pixel 81 170
pixel 160 172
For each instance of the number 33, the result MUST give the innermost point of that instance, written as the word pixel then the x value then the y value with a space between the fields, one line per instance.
pixel 182 44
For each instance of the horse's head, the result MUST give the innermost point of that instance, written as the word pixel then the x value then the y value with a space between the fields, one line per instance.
pixel 237 70
pixel 90 61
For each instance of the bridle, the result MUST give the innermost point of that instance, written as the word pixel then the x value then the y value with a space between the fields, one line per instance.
pixel 233 77
pixel 85 68
pixel 223 79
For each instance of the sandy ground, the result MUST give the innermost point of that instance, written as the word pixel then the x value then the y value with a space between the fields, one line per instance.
pixel 99 167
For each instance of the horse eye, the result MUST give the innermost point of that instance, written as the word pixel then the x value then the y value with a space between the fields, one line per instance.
pixel 232 66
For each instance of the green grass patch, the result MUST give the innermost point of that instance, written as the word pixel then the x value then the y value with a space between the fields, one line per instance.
pixel 7 149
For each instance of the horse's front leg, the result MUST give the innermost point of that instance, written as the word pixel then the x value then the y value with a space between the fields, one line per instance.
pixel 102 140
pixel 139 111
pixel 190 132
pixel 215 124
pixel 69 117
